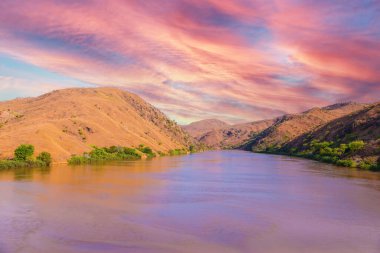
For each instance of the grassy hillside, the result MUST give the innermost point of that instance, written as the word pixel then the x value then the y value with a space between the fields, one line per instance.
pixel 289 127
pixel 352 140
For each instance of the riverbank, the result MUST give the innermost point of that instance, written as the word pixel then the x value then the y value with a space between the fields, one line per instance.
pixel 119 153
pixel 348 163
pixel 23 158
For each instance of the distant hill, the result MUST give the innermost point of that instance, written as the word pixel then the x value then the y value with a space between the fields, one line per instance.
pixel 234 135
pixel 66 122
pixel 198 128
pixel 267 134
pixel 289 127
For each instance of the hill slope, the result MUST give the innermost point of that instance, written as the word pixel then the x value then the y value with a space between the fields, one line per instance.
pixel 289 127
pixel 198 128
pixel 363 125
pixel 233 136
pixel 66 122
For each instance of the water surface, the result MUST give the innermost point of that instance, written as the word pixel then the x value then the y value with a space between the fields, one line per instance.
pixel 219 201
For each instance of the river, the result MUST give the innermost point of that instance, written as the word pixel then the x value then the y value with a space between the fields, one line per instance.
pixel 217 201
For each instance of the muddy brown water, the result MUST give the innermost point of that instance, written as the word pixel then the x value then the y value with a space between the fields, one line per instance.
pixel 218 201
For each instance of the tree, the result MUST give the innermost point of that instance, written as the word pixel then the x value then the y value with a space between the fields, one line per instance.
pixel 24 152
pixel 45 157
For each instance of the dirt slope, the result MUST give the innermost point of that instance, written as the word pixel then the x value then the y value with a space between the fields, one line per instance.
pixel 66 122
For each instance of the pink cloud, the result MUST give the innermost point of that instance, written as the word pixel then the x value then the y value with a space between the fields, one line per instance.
pixel 237 60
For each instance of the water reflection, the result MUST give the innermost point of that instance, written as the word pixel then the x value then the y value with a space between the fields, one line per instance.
pixel 222 201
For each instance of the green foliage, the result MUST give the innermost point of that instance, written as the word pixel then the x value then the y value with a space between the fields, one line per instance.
pixel 112 153
pixel 376 167
pixel 329 159
pixel 15 164
pixel 24 152
pixel 315 145
pixel 293 150
pixel 146 150
pixel 346 163
pixel 326 152
pixel 369 165
pixel 45 157
pixel 76 159
pixel 365 165
pixel 12 164
pixel 177 152
pixel 23 159
pixel 271 149
pixel 356 145
pixel 99 153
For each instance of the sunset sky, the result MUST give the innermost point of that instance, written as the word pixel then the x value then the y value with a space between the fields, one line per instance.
pixel 238 60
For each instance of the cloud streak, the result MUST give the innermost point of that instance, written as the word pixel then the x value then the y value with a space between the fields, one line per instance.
pixel 235 60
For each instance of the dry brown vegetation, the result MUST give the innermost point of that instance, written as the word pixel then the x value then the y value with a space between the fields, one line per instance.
pixel 66 122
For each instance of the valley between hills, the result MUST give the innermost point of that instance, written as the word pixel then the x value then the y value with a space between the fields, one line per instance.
pixel 71 121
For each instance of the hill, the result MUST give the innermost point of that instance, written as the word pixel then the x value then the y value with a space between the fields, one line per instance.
pixel 198 128
pixel 354 138
pixel 289 127
pixel 233 136
pixel 69 121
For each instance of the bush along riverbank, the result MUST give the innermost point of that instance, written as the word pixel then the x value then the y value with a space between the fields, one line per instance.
pixel 343 154
pixel 23 158
pixel 119 153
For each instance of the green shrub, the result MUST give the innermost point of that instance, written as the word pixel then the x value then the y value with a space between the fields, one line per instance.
pixel 45 157
pixel 365 165
pixel 99 153
pixel 177 152
pixel 75 159
pixel 105 154
pixel 346 163
pixel 356 145
pixel 376 167
pixel 15 164
pixel 113 149
pixel 130 151
pixel 12 164
pixel 329 159
pixel 24 152
pixel 316 146
pixel 147 150
pixel 23 158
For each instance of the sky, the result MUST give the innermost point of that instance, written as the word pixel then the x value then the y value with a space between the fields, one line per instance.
pixel 237 61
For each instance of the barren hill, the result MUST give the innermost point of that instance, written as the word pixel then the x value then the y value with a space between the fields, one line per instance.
pixel 235 135
pixel 198 128
pixel 69 121
pixel 289 127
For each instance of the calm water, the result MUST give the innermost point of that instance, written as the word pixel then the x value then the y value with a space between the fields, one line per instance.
pixel 220 201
